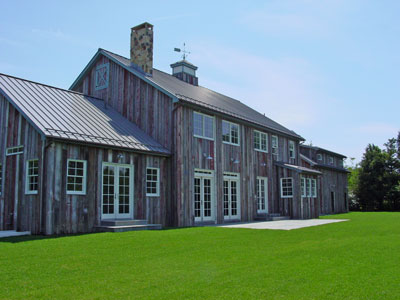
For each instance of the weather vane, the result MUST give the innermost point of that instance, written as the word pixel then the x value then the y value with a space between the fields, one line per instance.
pixel 184 51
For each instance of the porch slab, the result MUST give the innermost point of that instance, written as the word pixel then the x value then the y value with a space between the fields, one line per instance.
pixel 284 224
pixel 10 233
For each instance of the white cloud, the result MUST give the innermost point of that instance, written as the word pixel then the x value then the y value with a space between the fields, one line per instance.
pixel 284 89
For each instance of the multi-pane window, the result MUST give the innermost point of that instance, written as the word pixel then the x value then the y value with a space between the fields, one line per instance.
pixel 274 144
pixel 203 126
pixel 292 152
pixel 76 177
pixel 308 187
pixel 230 133
pixel 260 141
pixel 15 150
pixel 32 176
pixel 153 182
pixel 303 187
pixel 331 160
pixel 286 187
pixel 1 179
pixel 313 188
pixel 319 156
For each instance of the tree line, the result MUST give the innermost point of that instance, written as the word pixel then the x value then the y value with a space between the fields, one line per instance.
pixel 374 183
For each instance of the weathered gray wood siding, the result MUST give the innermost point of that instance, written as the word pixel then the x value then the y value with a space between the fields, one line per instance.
pixel 66 213
pixel 192 152
pixel 18 211
pixel 333 181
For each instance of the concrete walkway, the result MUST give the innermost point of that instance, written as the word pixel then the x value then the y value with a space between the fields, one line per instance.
pixel 283 225
pixel 10 233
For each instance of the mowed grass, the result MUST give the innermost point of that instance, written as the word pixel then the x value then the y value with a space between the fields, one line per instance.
pixel 357 259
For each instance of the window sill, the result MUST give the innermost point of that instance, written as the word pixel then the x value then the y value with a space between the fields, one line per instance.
pixel 203 137
pixel 76 193
pixel 31 193
pixel 228 143
pixel 152 195
pixel 259 150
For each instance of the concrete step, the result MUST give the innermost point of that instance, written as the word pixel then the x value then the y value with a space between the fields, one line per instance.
pixel 123 222
pixel 280 218
pixel 125 228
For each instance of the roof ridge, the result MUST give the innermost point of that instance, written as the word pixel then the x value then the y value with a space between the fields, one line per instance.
pixel 47 85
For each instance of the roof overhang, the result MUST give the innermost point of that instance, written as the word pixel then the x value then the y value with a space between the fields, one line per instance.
pixel 298 169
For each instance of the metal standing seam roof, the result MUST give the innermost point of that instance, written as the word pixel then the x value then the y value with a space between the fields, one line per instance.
pixel 202 96
pixel 68 115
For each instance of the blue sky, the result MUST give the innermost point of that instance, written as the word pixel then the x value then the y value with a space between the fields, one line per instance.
pixel 328 70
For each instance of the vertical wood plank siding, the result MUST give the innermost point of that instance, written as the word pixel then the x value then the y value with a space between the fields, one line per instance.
pixel 18 211
pixel 82 213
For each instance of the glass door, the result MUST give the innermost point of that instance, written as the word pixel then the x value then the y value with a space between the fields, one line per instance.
pixel 262 194
pixel 231 196
pixel 203 196
pixel 117 196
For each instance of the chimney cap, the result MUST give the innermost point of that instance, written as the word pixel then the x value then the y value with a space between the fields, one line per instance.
pixel 143 25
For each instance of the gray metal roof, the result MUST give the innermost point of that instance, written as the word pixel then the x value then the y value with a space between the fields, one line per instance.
pixel 202 96
pixel 298 169
pixel 67 115
pixel 323 150
pixel 308 160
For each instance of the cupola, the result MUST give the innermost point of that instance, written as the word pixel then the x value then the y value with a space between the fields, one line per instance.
pixel 185 71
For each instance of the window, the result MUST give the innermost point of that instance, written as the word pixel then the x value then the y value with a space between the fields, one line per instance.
pixel 331 160
pixel 260 141
pixel 286 187
pixel 1 179
pixel 203 126
pixel 101 80
pixel 230 133
pixel 15 150
pixel 303 187
pixel 32 176
pixel 308 188
pixel 76 177
pixel 274 142
pixel 319 156
pixel 292 153
pixel 153 182
pixel 314 188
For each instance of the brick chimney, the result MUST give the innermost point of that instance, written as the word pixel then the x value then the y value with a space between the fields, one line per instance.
pixel 142 47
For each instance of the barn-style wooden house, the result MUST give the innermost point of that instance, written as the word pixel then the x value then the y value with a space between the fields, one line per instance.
pixel 132 147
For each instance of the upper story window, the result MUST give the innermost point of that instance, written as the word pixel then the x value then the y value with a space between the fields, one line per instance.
pixel 319 156
pixel 101 76
pixel 76 177
pixel 292 151
pixel 274 144
pixel 15 150
pixel 260 141
pixel 32 176
pixel 1 179
pixel 331 160
pixel 203 126
pixel 287 187
pixel 153 182
pixel 230 133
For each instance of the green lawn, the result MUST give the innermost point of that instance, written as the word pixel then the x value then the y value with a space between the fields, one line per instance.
pixel 358 259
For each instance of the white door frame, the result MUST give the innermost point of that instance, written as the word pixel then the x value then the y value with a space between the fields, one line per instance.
pixel 231 177
pixel 202 175
pixel 265 179
pixel 116 214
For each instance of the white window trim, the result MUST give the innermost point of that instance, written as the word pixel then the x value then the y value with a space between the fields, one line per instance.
pixel 310 188
pixel 277 145
pixel 230 136
pixel 331 160
pixel 266 138
pixel 157 194
pixel 16 153
pixel 1 179
pixel 303 187
pixel 287 196
pixel 27 191
pixel 265 179
pixel 83 192
pixel 319 156
pixel 204 137
pixel 291 143
pixel 314 188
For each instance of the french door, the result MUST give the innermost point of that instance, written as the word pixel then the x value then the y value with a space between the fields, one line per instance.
pixel 231 196
pixel 203 196
pixel 117 196
pixel 262 194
